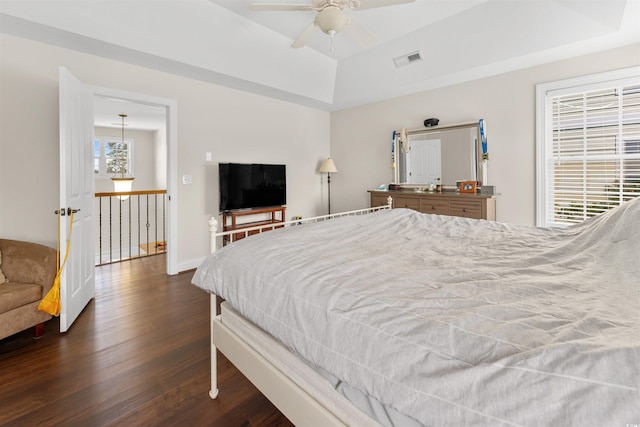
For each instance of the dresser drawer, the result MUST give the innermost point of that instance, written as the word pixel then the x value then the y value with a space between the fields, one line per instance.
pixel 467 208
pixel 406 202
pixel 437 207
pixel 445 203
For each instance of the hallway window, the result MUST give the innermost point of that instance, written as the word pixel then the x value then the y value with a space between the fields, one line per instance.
pixel 111 156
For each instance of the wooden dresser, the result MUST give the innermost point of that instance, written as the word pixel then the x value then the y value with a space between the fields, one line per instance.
pixel 478 206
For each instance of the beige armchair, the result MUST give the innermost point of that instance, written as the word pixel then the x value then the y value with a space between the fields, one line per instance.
pixel 30 270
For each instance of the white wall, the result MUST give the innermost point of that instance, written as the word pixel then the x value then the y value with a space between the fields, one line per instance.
pixel 242 127
pixel 361 137
pixel 233 125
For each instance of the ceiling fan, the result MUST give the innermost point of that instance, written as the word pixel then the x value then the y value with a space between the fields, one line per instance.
pixel 331 18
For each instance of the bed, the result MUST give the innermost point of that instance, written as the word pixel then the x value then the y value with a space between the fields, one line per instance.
pixel 402 318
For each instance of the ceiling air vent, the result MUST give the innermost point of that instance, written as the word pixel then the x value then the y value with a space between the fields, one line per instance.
pixel 407 59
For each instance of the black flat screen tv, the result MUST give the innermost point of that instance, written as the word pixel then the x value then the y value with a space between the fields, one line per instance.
pixel 246 186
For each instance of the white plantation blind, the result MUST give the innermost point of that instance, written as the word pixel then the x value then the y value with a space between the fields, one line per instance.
pixel 591 150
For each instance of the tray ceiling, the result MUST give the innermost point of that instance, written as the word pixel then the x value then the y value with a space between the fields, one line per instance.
pixel 227 43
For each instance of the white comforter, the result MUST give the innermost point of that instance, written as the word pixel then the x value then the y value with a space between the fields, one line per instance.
pixel 454 321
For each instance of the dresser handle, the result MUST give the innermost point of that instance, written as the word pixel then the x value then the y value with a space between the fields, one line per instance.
pixel 464 209
pixel 433 208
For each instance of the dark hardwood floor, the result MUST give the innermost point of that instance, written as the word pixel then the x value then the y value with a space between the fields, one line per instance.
pixel 137 355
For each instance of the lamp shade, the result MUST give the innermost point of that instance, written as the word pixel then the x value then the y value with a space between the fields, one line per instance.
pixel 122 185
pixel 331 19
pixel 328 166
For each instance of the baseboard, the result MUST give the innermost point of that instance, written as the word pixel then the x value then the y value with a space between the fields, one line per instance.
pixel 190 264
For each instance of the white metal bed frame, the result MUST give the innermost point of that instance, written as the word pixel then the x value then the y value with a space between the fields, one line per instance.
pixel 289 397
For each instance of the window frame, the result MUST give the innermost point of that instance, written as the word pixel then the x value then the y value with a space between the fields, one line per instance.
pixel 102 162
pixel 545 92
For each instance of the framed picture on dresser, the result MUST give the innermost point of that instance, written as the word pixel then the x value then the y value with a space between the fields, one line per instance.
pixel 467 186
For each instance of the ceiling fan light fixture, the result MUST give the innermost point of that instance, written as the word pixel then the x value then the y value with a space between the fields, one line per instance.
pixel 331 18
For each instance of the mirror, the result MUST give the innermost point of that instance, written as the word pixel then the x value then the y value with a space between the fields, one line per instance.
pixel 450 153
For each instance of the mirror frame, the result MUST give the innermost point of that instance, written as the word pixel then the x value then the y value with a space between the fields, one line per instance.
pixel 481 164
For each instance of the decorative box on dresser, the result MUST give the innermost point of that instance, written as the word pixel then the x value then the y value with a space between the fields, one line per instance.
pixel 478 206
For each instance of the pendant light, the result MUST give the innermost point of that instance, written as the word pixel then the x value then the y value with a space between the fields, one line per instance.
pixel 122 183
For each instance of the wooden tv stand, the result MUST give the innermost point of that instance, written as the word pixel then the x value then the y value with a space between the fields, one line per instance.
pixel 274 215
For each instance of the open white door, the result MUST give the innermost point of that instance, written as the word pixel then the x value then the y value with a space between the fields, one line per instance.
pixel 77 283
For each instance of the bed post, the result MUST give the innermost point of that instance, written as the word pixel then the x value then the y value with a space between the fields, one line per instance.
pixel 390 202
pixel 213 393
pixel 213 228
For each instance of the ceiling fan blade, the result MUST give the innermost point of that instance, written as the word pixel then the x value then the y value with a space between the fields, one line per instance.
pixel 280 7
pixel 370 4
pixel 305 36
pixel 360 34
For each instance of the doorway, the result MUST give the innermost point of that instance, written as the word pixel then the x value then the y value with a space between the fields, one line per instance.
pixel 152 112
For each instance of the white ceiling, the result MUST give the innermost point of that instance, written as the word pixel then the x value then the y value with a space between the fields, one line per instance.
pixel 381 22
pixel 227 43
pixel 139 116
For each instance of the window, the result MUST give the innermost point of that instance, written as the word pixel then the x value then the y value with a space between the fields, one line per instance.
pixel 111 156
pixel 588 146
